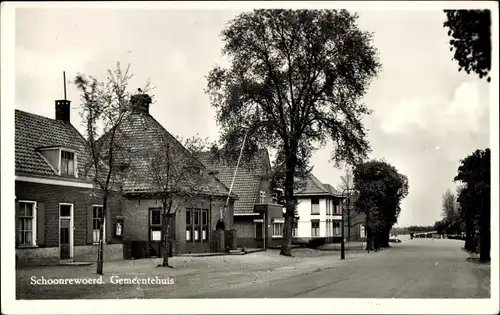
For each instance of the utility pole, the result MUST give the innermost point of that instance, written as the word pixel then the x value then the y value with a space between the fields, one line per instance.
pixel 342 244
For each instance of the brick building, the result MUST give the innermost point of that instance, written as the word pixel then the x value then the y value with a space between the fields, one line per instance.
pixel 193 224
pixel 257 220
pixel 57 211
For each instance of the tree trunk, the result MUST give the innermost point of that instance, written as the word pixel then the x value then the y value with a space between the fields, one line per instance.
pixel 165 226
pixel 100 250
pixel 369 239
pixel 376 240
pixel 469 232
pixel 485 234
pixel 286 247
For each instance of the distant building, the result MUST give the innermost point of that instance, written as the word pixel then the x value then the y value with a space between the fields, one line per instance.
pixel 319 211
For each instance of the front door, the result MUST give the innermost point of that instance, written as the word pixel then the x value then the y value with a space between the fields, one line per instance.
pixel 65 231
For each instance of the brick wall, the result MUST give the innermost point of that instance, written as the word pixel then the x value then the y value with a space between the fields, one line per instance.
pixel 48 198
pixel 136 221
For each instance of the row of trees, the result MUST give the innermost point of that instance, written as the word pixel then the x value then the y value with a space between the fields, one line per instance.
pixel 380 188
pixel 469 210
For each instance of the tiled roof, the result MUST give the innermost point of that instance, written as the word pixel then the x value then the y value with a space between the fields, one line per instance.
pixel 247 180
pixel 332 190
pixel 313 186
pixel 144 134
pixel 33 132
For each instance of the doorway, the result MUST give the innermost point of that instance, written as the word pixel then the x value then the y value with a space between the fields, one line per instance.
pixel 65 231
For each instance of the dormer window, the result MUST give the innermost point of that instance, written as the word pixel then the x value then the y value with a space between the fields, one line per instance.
pixel 67 163
pixel 63 161
pixel 263 197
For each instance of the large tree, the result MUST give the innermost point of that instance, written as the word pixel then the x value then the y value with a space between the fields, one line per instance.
pixel 104 106
pixel 380 190
pixel 471 39
pixel 475 172
pixel 295 81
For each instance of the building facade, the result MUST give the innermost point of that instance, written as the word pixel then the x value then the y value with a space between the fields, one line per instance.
pixel 192 220
pixel 258 221
pixel 57 211
pixel 319 212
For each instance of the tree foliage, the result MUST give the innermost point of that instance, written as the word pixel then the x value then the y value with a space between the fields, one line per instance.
pixel 381 189
pixel 295 81
pixel 471 39
pixel 475 174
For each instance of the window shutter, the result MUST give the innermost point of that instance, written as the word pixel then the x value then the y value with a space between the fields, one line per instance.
pixel 109 226
pixel 89 224
pixel 17 222
pixel 40 224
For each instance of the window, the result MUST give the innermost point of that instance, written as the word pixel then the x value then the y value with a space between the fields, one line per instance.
pixel 362 230
pixel 97 214
pixel 155 224
pixel 315 205
pixel 67 163
pixel 336 207
pixel 189 226
pixel 295 228
pixel 315 228
pixel 278 229
pixel 65 210
pixel 327 206
pixel 26 225
pixel 196 220
pixel 197 223
pixel 263 198
pixel 336 228
pixel 328 228
pixel 204 224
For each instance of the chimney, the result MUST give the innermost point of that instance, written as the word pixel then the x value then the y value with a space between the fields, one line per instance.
pixel 140 103
pixel 63 109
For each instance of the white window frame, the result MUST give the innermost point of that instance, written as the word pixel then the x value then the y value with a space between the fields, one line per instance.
pixel 263 196
pixel 103 228
pixel 319 228
pixel 75 165
pixel 278 222
pixel 71 227
pixel 362 230
pixel 318 207
pixel 33 224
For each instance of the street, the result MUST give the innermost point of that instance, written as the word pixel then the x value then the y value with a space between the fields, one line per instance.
pixel 419 268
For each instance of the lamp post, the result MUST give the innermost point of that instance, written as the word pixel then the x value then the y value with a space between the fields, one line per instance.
pixel 342 244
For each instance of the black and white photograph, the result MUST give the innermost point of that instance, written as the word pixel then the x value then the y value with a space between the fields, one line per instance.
pixel 253 157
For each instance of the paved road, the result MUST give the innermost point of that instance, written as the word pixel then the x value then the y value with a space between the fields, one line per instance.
pixel 419 268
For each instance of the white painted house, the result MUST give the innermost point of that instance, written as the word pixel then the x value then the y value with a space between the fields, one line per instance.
pixel 319 211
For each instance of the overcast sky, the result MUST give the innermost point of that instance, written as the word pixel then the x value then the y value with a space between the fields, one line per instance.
pixel 427 115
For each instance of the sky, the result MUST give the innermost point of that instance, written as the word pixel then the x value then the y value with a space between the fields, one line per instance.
pixel 426 115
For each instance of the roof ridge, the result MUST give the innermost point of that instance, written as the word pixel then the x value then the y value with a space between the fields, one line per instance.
pixel 318 183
